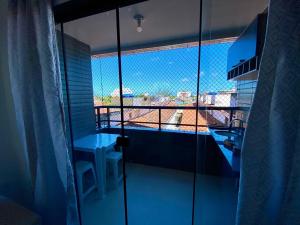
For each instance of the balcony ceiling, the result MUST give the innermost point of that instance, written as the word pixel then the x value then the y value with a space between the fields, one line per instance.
pixel 57 2
pixel 165 22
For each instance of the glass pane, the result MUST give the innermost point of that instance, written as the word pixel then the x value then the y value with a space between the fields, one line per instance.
pixel 98 163
pixel 218 152
pixel 159 66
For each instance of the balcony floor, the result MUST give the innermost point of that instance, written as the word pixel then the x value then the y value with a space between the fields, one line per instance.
pixel 159 196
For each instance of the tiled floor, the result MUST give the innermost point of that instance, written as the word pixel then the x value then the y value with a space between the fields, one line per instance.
pixel 158 196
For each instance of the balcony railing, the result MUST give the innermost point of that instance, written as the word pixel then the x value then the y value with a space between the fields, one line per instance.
pixel 106 116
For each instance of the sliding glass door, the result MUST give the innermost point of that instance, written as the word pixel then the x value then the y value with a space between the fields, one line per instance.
pixel 159 60
pixel 224 103
pixel 130 78
pixel 131 88
pixel 90 69
pixel 147 101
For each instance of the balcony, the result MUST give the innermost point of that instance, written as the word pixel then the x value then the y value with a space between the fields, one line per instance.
pixel 169 170
pixel 160 164
pixel 146 132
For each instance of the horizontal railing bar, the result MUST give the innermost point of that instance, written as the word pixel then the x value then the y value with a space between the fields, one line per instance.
pixel 200 108
pixel 155 123
pixel 175 107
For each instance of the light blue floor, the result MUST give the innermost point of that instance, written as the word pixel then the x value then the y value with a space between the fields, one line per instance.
pixel 158 196
pixel 215 201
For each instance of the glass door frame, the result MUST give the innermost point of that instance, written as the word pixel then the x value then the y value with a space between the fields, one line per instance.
pixel 123 137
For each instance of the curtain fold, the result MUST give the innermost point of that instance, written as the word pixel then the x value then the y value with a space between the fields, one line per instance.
pixel 270 171
pixel 36 88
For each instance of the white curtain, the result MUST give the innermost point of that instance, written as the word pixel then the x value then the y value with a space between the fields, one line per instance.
pixel 36 88
pixel 270 173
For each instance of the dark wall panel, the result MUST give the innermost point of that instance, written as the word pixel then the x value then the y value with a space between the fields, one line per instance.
pixel 174 150
pixel 78 57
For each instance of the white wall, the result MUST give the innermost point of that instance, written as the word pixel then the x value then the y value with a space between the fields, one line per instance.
pixel 14 177
pixel 226 100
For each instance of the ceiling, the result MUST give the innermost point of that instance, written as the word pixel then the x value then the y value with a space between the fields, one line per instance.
pixel 165 22
pixel 57 2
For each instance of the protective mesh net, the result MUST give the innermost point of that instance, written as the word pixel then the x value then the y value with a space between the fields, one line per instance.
pixel 160 88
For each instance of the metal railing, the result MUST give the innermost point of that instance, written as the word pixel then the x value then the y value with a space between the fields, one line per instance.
pixel 108 113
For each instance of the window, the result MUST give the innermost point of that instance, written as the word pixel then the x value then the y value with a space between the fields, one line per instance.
pixel 165 78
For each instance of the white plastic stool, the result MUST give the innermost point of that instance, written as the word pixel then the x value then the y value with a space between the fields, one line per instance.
pixel 84 172
pixel 114 168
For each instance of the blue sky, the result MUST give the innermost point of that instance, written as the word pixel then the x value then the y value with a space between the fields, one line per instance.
pixel 164 71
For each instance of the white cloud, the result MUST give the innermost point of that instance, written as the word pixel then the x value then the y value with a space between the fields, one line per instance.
pixel 184 80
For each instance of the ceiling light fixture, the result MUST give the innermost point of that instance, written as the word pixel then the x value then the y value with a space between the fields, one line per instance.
pixel 139 18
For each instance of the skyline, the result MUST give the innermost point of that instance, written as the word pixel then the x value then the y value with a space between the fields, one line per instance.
pixel 168 71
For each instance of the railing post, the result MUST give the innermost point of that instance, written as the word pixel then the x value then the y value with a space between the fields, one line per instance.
pixel 108 117
pixel 230 118
pixel 98 118
pixel 159 119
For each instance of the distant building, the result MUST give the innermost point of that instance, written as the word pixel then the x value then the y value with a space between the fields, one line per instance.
pixel 159 100
pixel 162 99
pixel 141 101
pixel 184 96
pixel 208 98
pixel 127 96
pixel 226 98
pixel 127 93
